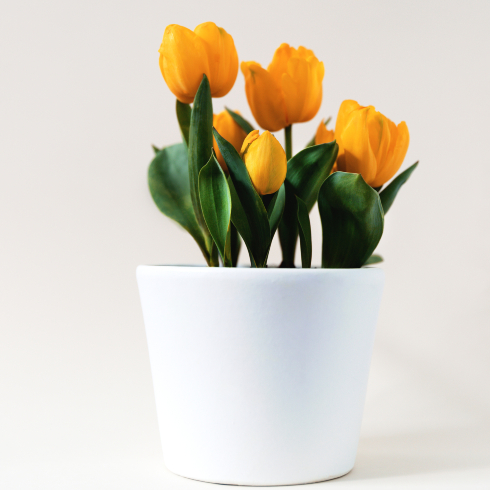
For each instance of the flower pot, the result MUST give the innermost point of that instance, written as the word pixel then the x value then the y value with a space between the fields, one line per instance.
pixel 260 375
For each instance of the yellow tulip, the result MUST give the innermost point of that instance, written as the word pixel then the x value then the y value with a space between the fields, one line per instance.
pixel 265 160
pixel 185 56
pixel 231 131
pixel 369 143
pixel 289 91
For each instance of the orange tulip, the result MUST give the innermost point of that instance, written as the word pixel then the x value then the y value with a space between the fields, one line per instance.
pixel 369 143
pixel 289 91
pixel 265 160
pixel 185 56
pixel 231 131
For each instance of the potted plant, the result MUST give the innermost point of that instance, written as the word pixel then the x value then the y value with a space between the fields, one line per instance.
pixel 260 372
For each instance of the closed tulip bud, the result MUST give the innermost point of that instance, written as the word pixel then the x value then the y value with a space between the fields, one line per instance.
pixel 265 160
pixel 231 131
pixel 369 143
pixel 185 56
pixel 289 91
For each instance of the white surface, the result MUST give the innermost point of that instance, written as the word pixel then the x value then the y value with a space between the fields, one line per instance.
pixel 273 397
pixel 82 99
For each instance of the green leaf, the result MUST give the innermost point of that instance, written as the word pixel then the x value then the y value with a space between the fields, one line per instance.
pixel 304 234
pixel 168 180
pixel 307 171
pixel 200 143
pixel 352 220
pixel 243 123
pixel 184 112
pixel 374 259
pixel 155 149
pixel 240 221
pixel 235 245
pixel 389 193
pixel 216 204
pixel 248 212
pixel 312 141
pixel 213 254
pixel 309 168
pixel 275 209
pixel 288 227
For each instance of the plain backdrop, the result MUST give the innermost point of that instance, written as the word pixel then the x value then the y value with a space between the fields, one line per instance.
pixel 82 100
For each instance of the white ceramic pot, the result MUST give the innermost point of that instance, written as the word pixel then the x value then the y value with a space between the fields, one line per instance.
pixel 260 375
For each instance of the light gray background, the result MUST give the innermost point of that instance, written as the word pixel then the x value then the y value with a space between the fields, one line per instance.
pixel 82 99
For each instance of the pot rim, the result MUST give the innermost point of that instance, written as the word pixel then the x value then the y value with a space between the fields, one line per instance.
pixel 250 270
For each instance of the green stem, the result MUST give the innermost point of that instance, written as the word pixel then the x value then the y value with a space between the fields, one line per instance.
pixel 289 141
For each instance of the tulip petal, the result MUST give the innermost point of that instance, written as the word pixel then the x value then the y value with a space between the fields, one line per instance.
pixel 250 138
pixel 343 115
pixel 379 136
pixel 323 135
pixel 305 53
pixel 183 61
pixel 295 85
pixel 222 57
pixel 279 63
pixel 402 143
pixel 302 87
pixel 396 156
pixel 357 156
pixel 385 156
pixel 315 90
pixel 230 131
pixel 345 110
pixel 264 97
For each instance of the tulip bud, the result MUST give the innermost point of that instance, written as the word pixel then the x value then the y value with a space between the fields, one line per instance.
pixel 369 143
pixel 185 56
pixel 289 91
pixel 231 131
pixel 265 160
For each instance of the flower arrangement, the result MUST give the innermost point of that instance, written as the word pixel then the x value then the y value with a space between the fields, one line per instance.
pixel 226 182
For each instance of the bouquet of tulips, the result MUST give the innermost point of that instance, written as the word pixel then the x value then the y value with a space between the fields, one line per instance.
pixel 226 182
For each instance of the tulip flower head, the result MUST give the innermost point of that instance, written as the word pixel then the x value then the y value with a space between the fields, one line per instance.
pixel 265 160
pixel 369 143
pixel 186 55
pixel 289 91
pixel 231 131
